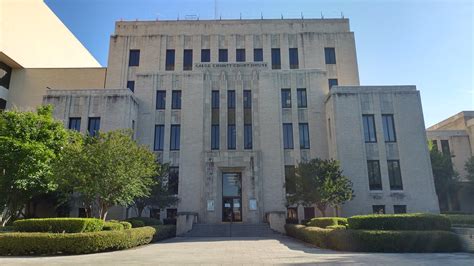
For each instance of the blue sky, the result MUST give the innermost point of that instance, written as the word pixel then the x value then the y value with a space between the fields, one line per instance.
pixel 425 43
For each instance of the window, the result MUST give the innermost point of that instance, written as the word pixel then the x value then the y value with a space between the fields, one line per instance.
pixel 205 55
pixel 332 82
pixel 288 136
pixel 293 58
pixel 309 213
pixel 155 213
pixel 304 136
pixel 188 59
pixel 215 137
pixel 171 213
pixel 159 137
pixel 169 59
pixel 131 85
pixel 435 144
pixel 231 137
pixel 292 213
pixel 248 136
pixel 231 99
pixel 369 128
pixel 394 175
pixel 75 123
pixel 215 100
pixel 330 55
pixel 134 58
pixel 301 95
pixel 173 180
pixel 247 99
pixel 445 147
pixel 389 128
pixel 399 209
pixel 3 104
pixel 160 100
pixel 378 209
pixel 286 98
pixel 258 55
pixel 290 184
pixel 276 62
pixel 240 55
pixel 175 135
pixel 93 126
pixel 176 99
pixel 223 55
pixel 375 179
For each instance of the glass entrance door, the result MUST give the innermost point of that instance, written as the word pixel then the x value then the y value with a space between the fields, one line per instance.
pixel 231 197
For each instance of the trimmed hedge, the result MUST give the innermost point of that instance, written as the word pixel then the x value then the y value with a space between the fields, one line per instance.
pixel 6 229
pixel 324 222
pixel 59 225
pixel 146 221
pixel 113 226
pixel 461 219
pixel 337 227
pixel 136 223
pixel 415 221
pixel 164 232
pixel 76 243
pixel 126 225
pixel 377 241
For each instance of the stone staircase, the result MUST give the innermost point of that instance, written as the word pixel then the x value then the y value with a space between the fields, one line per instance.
pixel 231 230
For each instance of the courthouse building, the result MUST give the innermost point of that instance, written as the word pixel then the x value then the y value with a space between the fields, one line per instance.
pixel 234 105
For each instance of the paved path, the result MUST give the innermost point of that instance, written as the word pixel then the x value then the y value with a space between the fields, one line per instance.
pixel 205 251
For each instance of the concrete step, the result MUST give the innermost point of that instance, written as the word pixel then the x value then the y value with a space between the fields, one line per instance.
pixel 231 230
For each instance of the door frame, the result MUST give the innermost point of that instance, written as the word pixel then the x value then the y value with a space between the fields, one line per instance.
pixel 223 198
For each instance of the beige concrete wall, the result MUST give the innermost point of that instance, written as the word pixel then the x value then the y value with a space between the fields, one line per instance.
pixel 28 86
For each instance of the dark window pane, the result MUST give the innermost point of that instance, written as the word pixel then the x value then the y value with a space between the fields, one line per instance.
pixel 302 100
pixel 231 99
pixel 134 59
pixel 378 209
pixel 171 213
pixel 394 175
pixel 286 98
pixel 288 136
pixel 75 123
pixel 160 100
pixel 223 55
pixel 231 137
pixel 369 128
pixel 276 60
pixel 375 178
pixel 231 185
pixel 3 104
pixel 169 59
pixel 292 213
pixel 215 99
pixel 93 126
pixel 332 82
pixel 175 137
pixel 173 180
pixel 240 55
pixel 389 128
pixel 258 55
pixel 176 100
pixel 247 99
pixel 330 55
pixel 445 147
pixel 435 144
pixel 398 209
pixel 294 58
pixel 309 213
pixel 155 213
pixel 205 55
pixel 159 137
pixel 290 183
pixel 188 59
pixel 304 135
pixel 247 137
pixel 215 137
pixel 131 85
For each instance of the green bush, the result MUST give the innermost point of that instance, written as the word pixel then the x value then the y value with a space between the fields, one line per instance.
pixel 59 225
pixel 323 222
pixel 136 223
pixel 461 219
pixel 6 229
pixel 415 221
pixel 77 243
pixel 126 225
pixel 164 232
pixel 377 241
pixel 336 227
pixel 169 221
pixel 113 226
pixel 146 221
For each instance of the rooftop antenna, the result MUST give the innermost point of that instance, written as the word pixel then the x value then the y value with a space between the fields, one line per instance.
pixel 281 16
pixel 261 15
pixel 178 16
pixel 322 17
pixel 342 15
pixel 302 17
pixel 240 15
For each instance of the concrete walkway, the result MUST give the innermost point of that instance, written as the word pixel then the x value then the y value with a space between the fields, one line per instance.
pixel 205 251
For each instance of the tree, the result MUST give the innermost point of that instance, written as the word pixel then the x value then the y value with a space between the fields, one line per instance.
pixel 469 167
pixel 445 177
pixel 320 182
pixel 29 143
pixel 107 170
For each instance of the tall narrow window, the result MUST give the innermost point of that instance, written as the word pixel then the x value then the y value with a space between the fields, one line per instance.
pixel 293 53
pixel 286 98
pixel 276 60
pixel 131 85
pixel 223 57
pixel 215 99
pixel 215 137
pixel 369 128
pixel 175 137
pixel 247 99
pixel 434 142
pixel 75 123
pixel 248 136
pixel 378 209
pixel 302 100
pixel 159 137
pixel 389 128
pixel 304 135
pixel 94 126
pixel 258 55
pixel 445 147
pixel 332 82
pixel 173 180
pixel 247 119
pixel 375 179
pixel 215 129
pixel 160 100
pixel 394 175
pixel 240 55
pixel 169 59
pixel 231 137
pixel 231 99
pixel 290 183
pixel 330 55
pixel 176 99
pixel 134 58
pixel 399 209
pixel 188 59
pixel 288 136
pixel 205 55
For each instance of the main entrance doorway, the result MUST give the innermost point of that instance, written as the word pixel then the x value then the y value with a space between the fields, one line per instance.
pixel 231 197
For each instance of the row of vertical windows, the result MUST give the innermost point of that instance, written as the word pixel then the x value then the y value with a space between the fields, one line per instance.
pixel 288 136
pixel 160 137
pixel 300 95
pixel 397 209
pixel 161 99
pixel 388 128
pixel 93 125
pixel 394 175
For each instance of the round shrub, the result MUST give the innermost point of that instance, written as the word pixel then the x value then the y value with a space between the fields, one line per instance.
pixel 323 222
pixel 147 221
pixel 77 243
pixel 136 223
pixel 414 221
pixel 164 232
pixel 461 219
pixel 126 225
pixel 112 226
pixel 59 225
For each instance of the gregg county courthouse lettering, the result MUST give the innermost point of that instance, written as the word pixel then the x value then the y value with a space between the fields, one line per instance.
pixel 233 105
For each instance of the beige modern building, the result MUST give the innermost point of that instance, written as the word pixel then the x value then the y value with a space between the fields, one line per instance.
pixel 455 136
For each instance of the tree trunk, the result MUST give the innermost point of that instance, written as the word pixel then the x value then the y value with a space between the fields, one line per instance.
pixel 322 209
pixel 337 210
pixel 104 209
pixel 140 211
